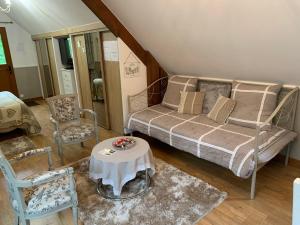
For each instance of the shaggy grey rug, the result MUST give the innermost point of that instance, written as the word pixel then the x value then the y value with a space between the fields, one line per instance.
pixel 14 146
pixel 174 198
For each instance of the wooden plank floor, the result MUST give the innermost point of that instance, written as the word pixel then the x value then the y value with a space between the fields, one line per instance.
pixel 272 204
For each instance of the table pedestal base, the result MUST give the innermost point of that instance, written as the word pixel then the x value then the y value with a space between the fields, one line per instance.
pixel 136 187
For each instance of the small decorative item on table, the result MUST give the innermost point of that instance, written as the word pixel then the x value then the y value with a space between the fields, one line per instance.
pixel 123 143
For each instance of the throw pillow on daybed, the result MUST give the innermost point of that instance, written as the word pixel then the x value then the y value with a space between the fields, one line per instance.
pixel 212 91
pixel 191 102
pixel 222 109
pixel 254 103
pixel 176 84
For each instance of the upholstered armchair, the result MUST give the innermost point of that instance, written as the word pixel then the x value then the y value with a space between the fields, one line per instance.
pixel 69 128
pixel 39 195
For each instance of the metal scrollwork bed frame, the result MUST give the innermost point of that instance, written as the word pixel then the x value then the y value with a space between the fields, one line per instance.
pixel 283 116
pixel 155 90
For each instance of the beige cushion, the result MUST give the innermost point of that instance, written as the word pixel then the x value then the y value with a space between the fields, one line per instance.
pixel 191 102
pixel 254 103
pixel 176 84
pixel 222 109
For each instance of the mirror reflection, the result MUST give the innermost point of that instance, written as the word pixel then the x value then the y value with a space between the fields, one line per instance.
pixel 96 75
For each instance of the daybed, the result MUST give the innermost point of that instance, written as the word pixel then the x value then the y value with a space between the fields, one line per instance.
pixel 232 145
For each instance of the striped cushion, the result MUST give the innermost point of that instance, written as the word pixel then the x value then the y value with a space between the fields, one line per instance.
pixel 222 109
pixel 176 84
pixel 191 102
pixel 254 103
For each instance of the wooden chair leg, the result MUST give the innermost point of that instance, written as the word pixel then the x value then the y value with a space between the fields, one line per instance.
pixel 16 220
pixel 97 136
pixel 287 155
pixel 75 215
pixel 58 146
pixel 23 221
pixel 82 145
pixel 49 161
pixel 61 153
pixel 62 160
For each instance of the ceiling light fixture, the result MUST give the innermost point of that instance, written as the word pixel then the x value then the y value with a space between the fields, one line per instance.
pixel 6 8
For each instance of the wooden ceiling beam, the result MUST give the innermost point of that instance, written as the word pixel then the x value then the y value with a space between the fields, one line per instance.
pixel 115 26
pixel 154 70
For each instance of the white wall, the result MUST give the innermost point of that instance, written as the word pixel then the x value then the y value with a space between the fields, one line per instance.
pixel 21 46
pixel 247 40
pixel 40 16
pixel 130 85
pixel 23 54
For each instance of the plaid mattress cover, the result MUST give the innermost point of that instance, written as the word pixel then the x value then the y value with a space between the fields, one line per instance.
pixel 228 145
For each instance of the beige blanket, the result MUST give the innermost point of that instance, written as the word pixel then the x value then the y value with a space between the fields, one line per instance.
pixel 14 113
pixel 228 145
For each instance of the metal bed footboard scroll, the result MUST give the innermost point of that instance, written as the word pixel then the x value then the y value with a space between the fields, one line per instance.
pixel 142 99
pixel 283 117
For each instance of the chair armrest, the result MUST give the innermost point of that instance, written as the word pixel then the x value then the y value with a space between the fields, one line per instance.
pixel 34 152
pixel 94 114
pixel 89 111
pixel 55 123
pixel 45 178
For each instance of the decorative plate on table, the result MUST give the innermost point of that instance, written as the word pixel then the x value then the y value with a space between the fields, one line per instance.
pixel 123 143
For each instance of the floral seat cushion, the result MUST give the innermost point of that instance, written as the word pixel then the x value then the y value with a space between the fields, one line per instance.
pixel 77 132
pixel 47 197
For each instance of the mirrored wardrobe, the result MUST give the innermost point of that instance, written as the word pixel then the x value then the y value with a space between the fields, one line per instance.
pixel 86 64
pixel 44 68
pixel 96 77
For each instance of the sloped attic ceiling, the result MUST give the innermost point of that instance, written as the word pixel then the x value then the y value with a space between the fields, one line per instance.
pixel 249 39
pixel 40 16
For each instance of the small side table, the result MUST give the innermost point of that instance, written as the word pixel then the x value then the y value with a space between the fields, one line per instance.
pixel 121 166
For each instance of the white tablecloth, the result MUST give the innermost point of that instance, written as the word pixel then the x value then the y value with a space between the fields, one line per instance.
pixel 120 167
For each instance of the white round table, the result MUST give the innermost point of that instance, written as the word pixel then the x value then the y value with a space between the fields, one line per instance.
pixel 122 165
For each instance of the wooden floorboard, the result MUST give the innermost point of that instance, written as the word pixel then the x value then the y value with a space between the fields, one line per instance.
pixel 272 204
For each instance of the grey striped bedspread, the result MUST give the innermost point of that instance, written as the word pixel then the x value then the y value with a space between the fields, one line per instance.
pixel 228 145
